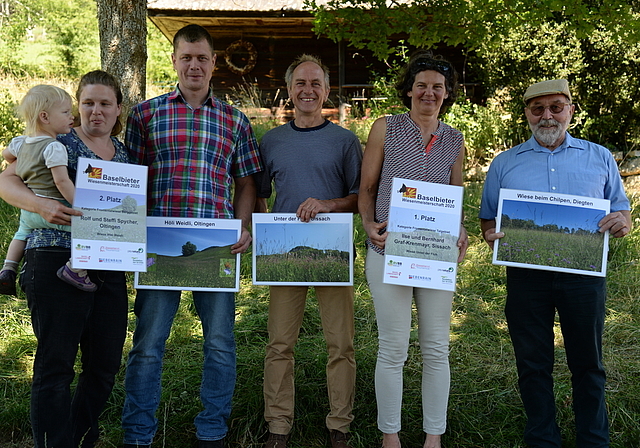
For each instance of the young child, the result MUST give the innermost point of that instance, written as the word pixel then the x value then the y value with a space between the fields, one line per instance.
pixel 41 162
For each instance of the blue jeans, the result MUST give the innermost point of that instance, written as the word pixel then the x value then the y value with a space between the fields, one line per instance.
pixel 533 297
pixel 155 311
pixel 65 319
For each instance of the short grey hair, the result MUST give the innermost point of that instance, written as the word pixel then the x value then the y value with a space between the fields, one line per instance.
pixel 302 59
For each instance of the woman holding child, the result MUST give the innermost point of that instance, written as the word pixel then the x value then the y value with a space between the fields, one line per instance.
pixel 65 317
pixel 417 146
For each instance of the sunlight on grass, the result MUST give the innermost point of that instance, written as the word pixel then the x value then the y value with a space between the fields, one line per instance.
pixel 484 409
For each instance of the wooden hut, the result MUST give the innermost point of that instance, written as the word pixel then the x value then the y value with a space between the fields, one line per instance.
pixel 256 40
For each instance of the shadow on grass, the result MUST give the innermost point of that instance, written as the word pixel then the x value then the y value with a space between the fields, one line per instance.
pixel 484 409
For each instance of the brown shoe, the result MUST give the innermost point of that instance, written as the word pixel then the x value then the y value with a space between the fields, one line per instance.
pixel 277 441
pixel 339 439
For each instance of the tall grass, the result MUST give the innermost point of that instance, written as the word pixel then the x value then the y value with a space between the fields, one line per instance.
pixel 301 268
pixel 579 251
pixel 484 410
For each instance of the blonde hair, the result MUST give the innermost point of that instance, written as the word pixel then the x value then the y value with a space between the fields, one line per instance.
pixel 39 99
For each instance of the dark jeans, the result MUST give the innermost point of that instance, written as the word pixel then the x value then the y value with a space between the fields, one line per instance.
pixel 65 318
pixel 533 296
pixel 155 311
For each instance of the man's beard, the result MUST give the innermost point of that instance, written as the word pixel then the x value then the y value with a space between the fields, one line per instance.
pixel 547 136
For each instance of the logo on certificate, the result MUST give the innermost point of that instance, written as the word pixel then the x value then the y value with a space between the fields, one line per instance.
pixel 419 277
pixel 93 173
pixel 420 266
pixel 408 192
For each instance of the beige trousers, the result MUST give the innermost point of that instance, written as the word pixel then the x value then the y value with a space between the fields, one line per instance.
pixel 286 309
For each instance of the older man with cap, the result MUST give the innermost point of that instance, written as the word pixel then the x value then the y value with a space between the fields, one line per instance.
pixel 553 161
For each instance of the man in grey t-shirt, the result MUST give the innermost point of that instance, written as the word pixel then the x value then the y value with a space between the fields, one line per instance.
pixel 315 167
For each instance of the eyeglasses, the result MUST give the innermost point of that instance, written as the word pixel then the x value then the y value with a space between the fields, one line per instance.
pixel 432 64
pixel 554 109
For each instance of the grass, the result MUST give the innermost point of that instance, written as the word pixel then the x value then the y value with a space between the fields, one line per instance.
pixel 292 267
pixel 484 409
pixel 204 269
pixel 534 246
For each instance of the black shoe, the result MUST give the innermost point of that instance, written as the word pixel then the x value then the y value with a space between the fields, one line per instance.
pixel 211 443
pixel 8 282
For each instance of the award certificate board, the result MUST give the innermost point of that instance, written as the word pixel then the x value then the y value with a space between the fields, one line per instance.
pixel 550 231
pixel 191 254
pixel 423 228
pixel 111 234
pixel 287 251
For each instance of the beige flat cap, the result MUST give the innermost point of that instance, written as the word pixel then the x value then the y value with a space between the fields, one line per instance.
pixel 551 87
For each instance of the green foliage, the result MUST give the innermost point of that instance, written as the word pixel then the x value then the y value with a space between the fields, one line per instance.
pixel 600 68
pixel 159 68
pixel 581 250
pixel 68 28
pixel 10 125
pixel 595 45
pixel 61 39
pixel 384 98
pixel 609 89
pixel 370 23
pixel 485 128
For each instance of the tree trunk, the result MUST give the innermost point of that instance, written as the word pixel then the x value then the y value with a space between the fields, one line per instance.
pixel 123 46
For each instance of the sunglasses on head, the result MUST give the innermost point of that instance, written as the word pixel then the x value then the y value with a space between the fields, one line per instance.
pixel 432 64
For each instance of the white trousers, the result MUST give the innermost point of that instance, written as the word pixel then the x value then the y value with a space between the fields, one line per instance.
pixel 393 314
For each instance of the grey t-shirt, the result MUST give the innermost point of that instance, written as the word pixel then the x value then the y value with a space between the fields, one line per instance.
pixel 321 162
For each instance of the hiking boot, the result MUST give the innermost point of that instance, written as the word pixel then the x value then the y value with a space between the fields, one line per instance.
pixel 277 441
pixel 339 439
pixel 8 282
pixel 73 278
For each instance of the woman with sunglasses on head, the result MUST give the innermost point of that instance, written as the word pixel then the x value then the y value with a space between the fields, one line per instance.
pixel 415 145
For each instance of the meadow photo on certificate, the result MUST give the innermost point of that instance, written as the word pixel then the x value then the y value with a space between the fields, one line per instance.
pixel 287 251
pixel 191 254
pixel 551 232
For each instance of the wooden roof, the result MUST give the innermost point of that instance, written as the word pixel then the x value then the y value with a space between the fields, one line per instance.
pixel 234 18
pixel 230 5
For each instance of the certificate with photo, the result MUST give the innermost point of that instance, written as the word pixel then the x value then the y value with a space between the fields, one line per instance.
pixel 191 254
pixel 287 251
pixel 423 229
pixel 553 232
pixel 111 234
